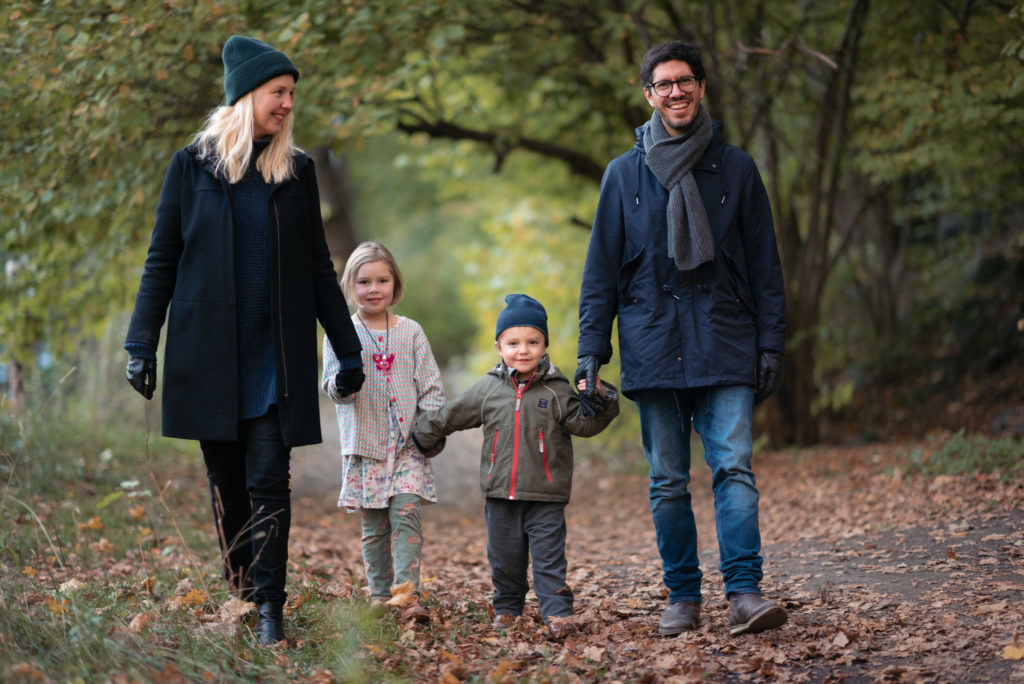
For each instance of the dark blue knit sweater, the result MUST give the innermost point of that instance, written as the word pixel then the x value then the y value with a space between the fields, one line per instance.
pixel 250 216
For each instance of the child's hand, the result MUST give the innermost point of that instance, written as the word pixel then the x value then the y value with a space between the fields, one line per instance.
pixel 581 386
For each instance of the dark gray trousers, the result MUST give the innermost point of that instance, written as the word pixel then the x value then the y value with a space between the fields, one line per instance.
pixel 515 531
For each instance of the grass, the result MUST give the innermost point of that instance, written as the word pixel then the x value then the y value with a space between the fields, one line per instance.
pixel 108 569
pixel 964 453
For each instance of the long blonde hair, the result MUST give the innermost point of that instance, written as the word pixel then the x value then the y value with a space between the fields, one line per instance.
pixel 227 138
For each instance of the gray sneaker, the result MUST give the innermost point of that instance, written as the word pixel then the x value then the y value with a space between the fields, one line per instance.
pixel 750 613
pixel 678 618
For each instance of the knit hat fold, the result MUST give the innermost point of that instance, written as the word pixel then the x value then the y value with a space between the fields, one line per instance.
pixel 249 63
pixel 522 310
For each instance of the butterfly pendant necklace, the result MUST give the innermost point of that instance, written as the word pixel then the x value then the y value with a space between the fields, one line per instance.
pixel 383 358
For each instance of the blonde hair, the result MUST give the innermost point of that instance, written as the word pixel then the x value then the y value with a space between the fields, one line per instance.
pixel 367 253
pixel 227 138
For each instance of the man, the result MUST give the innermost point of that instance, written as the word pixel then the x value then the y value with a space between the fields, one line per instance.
pixel 683 251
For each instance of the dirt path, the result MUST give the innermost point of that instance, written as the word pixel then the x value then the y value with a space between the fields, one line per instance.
pixel 886 577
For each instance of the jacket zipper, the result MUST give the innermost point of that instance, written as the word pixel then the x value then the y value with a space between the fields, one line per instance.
pixel 544 455
pixel 280 303
pixel 515 439
pixel 494 450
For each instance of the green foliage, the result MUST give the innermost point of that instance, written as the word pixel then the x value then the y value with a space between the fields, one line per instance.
pixel 963 453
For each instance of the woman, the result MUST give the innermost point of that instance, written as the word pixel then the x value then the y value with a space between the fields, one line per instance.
pixel 238 252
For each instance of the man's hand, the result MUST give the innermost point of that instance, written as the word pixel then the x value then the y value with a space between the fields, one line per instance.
pixel 769 374
pixel 349 381
pixel 141 374
pixel 586 369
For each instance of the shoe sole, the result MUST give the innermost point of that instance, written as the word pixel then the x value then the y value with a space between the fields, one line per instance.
pixel 773 617
pixel 675 631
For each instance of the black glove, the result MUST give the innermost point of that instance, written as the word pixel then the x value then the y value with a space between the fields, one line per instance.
pixel 141 374
pixel 586 367
pixel 591 405
pixel 769 374
pixel 349 381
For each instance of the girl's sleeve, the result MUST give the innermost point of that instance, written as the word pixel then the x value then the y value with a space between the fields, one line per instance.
pixel 429 388
pixel 331 369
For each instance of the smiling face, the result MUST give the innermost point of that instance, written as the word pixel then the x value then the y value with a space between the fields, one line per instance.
pixel 677 109
pixel 374 289
pixel 522 348
pixel 272 104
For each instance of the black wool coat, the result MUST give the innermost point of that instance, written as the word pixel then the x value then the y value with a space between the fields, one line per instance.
pixel 190 271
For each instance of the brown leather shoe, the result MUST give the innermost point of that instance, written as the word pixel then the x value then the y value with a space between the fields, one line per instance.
pixel 749 613
pixel 560 627
pixel 680 617
pixel 503 621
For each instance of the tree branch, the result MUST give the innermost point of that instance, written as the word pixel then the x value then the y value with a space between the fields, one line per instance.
pixel 501 145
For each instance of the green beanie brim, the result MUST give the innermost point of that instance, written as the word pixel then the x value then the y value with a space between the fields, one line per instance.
pixel 249 63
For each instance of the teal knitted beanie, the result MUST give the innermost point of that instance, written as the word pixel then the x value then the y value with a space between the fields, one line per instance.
pixel 249 63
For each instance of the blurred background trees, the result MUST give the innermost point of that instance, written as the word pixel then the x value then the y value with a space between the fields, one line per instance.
pixel 471 136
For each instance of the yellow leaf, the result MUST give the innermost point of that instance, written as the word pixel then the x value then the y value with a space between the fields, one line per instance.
pixel 1013 653
pixel 30 571
pixel 162 75
pixel 56 607
pixel 71 586
pixel 139 622
pixel 94 524
pixel 137 512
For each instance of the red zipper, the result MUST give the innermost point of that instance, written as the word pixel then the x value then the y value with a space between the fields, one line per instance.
pixel 494 449
pixel 515 441
pixel 544 455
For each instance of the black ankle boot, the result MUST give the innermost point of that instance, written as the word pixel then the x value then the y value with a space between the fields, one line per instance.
pixel 270 626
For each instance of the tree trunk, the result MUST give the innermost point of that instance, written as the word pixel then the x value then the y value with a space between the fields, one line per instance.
pixel 335 195
pixel 16 385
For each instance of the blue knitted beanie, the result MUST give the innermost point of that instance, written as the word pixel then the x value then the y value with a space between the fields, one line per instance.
pixel 522 310
pixel 249 63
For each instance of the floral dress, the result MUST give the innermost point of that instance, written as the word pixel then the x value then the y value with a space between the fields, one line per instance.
pixel 380 459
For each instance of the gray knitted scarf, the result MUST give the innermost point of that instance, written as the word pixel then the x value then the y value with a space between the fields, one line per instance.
pixel 671 160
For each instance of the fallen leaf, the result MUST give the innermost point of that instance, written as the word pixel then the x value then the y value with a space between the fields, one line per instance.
pixel 1013 652
pixel 595 653
pixel 139 622
pixel 71 586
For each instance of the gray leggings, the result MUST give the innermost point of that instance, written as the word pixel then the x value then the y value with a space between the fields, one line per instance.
pixel 392 544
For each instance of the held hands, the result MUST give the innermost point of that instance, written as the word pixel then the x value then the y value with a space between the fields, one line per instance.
pixel 769 374
pixel 432 451
pixel 592 401
pixel 586 370
pixel 349 381
pixel 141 374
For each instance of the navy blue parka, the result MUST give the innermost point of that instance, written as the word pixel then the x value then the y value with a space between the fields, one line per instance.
pixel 683 329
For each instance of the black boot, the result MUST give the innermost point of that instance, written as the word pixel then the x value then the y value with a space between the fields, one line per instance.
pixel 270 626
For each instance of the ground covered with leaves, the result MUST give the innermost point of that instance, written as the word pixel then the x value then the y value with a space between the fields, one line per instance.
pixel 888 574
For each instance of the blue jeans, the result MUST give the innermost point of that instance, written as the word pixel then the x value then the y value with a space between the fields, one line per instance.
pixel 723 418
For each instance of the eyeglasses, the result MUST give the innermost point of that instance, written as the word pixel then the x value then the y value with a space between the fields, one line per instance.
pixel 687 84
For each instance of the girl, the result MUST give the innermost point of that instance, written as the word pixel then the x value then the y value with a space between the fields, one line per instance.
pixel 383 473
pixel 238 256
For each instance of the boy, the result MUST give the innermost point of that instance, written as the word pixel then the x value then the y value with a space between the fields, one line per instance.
pixel 528 410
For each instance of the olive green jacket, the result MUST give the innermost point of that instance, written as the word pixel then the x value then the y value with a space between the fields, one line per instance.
pixel 527 448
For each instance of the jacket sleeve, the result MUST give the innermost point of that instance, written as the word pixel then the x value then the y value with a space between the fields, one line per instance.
pixel 461 413
pixel 764 268
pixel 331 369
pixel 331 308
pixel 599 285
pixel 429 388
pixel 161 268
pixel 581 425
